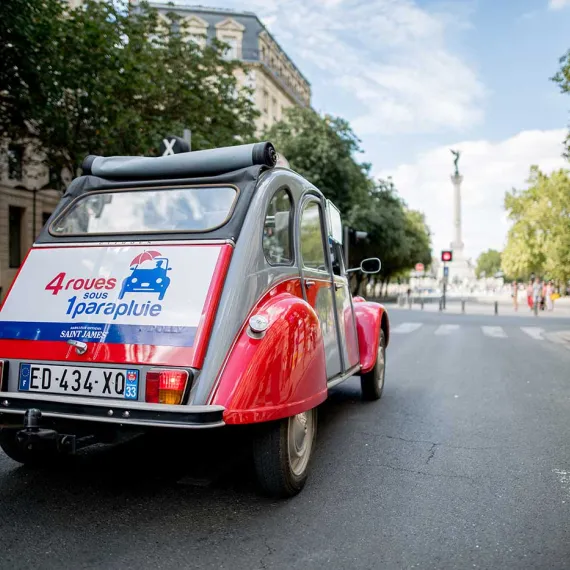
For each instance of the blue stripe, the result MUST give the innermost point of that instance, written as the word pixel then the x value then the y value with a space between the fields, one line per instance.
pixel 97 332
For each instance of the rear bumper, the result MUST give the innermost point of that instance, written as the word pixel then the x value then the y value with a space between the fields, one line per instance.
pixel 111 412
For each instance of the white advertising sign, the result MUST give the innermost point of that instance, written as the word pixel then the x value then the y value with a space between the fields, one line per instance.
pixel 118 294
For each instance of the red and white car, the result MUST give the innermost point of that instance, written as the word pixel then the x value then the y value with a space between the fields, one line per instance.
pixel 188 291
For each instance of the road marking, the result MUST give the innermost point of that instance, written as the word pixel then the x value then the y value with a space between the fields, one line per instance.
pixel 405 328
pixel 534 332
pixel 446 329
pixel 495 332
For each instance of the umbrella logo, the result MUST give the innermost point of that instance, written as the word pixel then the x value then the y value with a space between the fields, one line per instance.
pixel 149 274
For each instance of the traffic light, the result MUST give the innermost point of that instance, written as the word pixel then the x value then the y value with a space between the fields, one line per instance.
pixel 446 255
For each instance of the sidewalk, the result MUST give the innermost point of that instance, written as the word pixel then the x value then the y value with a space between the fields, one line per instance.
pixel 505 308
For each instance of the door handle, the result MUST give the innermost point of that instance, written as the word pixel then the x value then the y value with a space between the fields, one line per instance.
pixel 309 283
pixel 338 286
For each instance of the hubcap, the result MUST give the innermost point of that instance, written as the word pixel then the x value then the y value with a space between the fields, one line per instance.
pixel 300 441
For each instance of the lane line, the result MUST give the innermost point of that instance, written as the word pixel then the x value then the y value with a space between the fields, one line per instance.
pixel 495 332
pixel 445 329
pixel 534 332
pixel 405 328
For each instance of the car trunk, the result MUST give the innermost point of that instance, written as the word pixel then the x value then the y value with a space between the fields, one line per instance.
pixel 94 319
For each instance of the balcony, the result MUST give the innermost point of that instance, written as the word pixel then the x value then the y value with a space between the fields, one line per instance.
pixel 253 55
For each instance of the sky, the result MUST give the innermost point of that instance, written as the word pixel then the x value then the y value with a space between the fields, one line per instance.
pixel 416 78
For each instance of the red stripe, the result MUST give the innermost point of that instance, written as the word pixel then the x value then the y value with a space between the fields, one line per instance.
pixel 211 305
pixel 97 352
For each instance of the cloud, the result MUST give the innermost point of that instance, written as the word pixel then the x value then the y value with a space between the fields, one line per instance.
pixel 558 4
pixel 389 56
pixel 489 170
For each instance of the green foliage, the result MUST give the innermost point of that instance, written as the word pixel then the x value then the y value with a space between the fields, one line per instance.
pixel 105 80
pixel 562 77
pixel 323 149
pixel 489 263
pixel 539 239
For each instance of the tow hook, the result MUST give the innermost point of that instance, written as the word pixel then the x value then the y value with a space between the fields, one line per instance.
pixel 32 435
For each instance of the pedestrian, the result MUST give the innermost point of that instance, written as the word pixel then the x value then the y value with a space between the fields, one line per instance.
pixel 550 296
pixel 515 295
pixel 529 294
pixel 536 294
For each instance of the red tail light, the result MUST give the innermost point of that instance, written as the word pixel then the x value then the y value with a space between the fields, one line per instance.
pixel 165 386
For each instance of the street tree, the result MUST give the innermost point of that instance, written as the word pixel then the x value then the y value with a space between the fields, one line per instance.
pixel 539 239
pixel 488 263
pixel 323 150
pixel 562 78
pixel 113 80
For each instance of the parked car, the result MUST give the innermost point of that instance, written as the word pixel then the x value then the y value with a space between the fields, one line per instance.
pixel 254 322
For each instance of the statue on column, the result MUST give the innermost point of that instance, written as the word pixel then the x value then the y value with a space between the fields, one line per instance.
pixel 456 154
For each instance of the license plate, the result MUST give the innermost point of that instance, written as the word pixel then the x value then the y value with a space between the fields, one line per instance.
pixel 80 381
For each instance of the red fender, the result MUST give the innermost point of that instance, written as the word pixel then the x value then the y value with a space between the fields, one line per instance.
pixel 370 319
pixel 281 374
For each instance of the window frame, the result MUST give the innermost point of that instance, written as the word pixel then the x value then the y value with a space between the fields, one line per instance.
pixel 291 228
pixel 22 213
pixel 85 195
pixel 307 200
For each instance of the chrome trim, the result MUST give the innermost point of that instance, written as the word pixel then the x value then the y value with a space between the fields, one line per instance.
pixel 342 377
pixel 114 411
pixel 122 421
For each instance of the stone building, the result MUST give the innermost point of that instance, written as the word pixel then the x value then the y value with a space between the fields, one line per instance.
pixel 25 206
pixel 276 81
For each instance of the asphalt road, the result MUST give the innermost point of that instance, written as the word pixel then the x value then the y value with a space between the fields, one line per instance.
pixel 464 463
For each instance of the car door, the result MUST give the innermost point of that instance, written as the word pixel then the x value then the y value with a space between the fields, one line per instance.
pixel 346 319
pixel 316 278
pixel 347 322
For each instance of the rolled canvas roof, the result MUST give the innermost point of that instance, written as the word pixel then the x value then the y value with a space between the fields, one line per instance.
pixel 187 164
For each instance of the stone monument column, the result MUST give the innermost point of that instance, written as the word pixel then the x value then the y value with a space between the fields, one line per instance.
pixel 457 243
pixel 460 269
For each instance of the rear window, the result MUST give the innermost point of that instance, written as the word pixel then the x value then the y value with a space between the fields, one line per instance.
pixel 146 211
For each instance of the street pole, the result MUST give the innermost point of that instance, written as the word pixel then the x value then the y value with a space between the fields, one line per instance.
pixel 444 282
pixel 346 246
pixel 34 215
pixel 188 138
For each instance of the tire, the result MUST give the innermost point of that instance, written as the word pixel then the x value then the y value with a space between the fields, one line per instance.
pixel 372 383
pixel 282 460
pixel 29 457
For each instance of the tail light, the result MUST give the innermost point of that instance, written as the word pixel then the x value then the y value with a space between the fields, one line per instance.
pixel 3 375
pixel 165 386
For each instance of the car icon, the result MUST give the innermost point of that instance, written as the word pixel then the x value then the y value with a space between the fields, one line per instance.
pixel 148 280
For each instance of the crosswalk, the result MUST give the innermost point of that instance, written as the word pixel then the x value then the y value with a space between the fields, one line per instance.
pixel 536 333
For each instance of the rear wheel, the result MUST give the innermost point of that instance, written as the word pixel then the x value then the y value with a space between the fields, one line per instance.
pixel 34 457
pixel 372 383
pixel 282 454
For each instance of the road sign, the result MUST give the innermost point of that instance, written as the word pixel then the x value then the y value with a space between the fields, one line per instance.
pixel 446 271
pixel 419 267
pixel 171 144
pixel 446 255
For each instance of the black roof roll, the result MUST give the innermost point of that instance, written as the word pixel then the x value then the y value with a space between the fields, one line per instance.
pixel 186 164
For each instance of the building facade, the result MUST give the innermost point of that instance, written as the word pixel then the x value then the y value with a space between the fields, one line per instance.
pixel 25 206
pixel 275 80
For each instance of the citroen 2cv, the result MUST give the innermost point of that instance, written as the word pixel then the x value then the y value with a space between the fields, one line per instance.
pixel 188 291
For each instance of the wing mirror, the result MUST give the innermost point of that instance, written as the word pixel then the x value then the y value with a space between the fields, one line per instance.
pixel 368 266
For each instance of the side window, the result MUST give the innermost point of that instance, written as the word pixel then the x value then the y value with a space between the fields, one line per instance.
pixel 337 258
pixel 277 229
pixel 312 249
